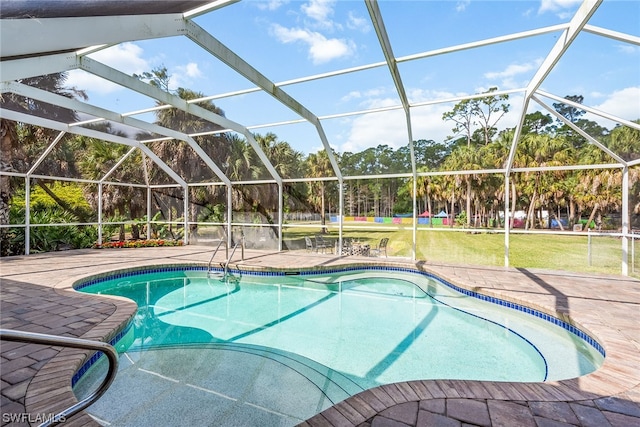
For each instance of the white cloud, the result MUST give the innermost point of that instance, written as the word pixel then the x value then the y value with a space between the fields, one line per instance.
pixel 321 49
pixel 510 71
pixel 370 97
pixel 354 94
pixel 192 70
pixel 318 10
pixel 558 6
pixel 371 130
pixel 461 6
pixel 508 75
pixel 357 23
pixel 628 49
pixel 271 5
pixel 319 14
pixel 389 127
pixel 126 57
pixel 90 83
pixel 623 103
pixel 184 75
pixel 324 50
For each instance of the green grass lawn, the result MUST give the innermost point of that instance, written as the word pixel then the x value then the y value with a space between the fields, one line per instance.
pixel 556 252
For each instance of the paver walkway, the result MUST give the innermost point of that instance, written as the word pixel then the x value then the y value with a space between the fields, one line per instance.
pixel 36 296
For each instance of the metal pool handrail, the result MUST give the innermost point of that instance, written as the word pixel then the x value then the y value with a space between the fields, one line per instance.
pixel 46 339
pixel 214 254
pixel 226 264
pixel 224 240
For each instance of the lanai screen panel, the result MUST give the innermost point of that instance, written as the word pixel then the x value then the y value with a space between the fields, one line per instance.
pixel 314 76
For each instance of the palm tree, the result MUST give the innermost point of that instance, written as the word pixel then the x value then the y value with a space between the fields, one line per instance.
pixel 21 143
pixel 601 190
pixel 464 158
pixel 540 150
pixel 318 165
pixel 178 154
pixel 286 161
pixel 8 137
pixel 431 188
pixel 625 142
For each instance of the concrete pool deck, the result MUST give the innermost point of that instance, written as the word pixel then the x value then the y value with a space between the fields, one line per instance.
pixel 36 296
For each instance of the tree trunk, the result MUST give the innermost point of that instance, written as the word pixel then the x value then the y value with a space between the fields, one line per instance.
pixel 593 214
pixel 572 212
pixel 558 220
pixel 468 201
pixel 7 135
pixel 453 209
pixel 513 204
pixel 322 219
pixel 530 211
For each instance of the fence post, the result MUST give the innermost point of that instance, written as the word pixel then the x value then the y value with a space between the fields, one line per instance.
pixel 589 246
pixel 633 251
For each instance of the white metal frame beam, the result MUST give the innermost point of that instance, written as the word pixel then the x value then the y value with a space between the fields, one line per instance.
pixel 582 133
pixel 575 26
pixel 50 35
pixel 23 68
pixel 212 45
pixel 577 23
pixel 40 54
pixel 171 100
pixel 407 58
pixel 588 109
pixel 64 127
pixel 72 104
pixel 387 50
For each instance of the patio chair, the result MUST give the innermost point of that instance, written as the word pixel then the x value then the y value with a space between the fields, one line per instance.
pixel 382 247
pixel 322 244
pixel 309 244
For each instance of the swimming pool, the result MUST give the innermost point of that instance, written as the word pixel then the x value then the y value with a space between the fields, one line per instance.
pixel 333 334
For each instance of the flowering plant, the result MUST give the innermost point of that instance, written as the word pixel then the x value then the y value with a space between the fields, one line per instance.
pixel 137 244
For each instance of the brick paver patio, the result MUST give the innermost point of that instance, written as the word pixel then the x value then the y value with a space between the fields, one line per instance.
pixel 36 296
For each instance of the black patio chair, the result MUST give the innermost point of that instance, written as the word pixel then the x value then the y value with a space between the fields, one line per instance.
pixel 382 247
pixel 309 244
pixel 323 245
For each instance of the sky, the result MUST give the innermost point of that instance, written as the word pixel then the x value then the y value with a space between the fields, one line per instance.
pixel 287 40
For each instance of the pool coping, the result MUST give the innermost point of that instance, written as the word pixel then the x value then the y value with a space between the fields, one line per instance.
pixel 50 387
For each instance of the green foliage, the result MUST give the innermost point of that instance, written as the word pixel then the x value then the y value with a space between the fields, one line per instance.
pixel 158 230
pixel 108 228
pixel 212 213
pixel 47 238
pixel 71 194
pixel 461 218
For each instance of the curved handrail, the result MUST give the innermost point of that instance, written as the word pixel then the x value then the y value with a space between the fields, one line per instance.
pixel 226 264
pixel 214 254
pixel 46 339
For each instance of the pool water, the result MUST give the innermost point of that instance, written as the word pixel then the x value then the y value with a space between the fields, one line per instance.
pixel 331 334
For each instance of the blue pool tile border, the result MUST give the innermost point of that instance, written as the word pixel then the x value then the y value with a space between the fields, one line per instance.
pixel 97 355
pixel 494 300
